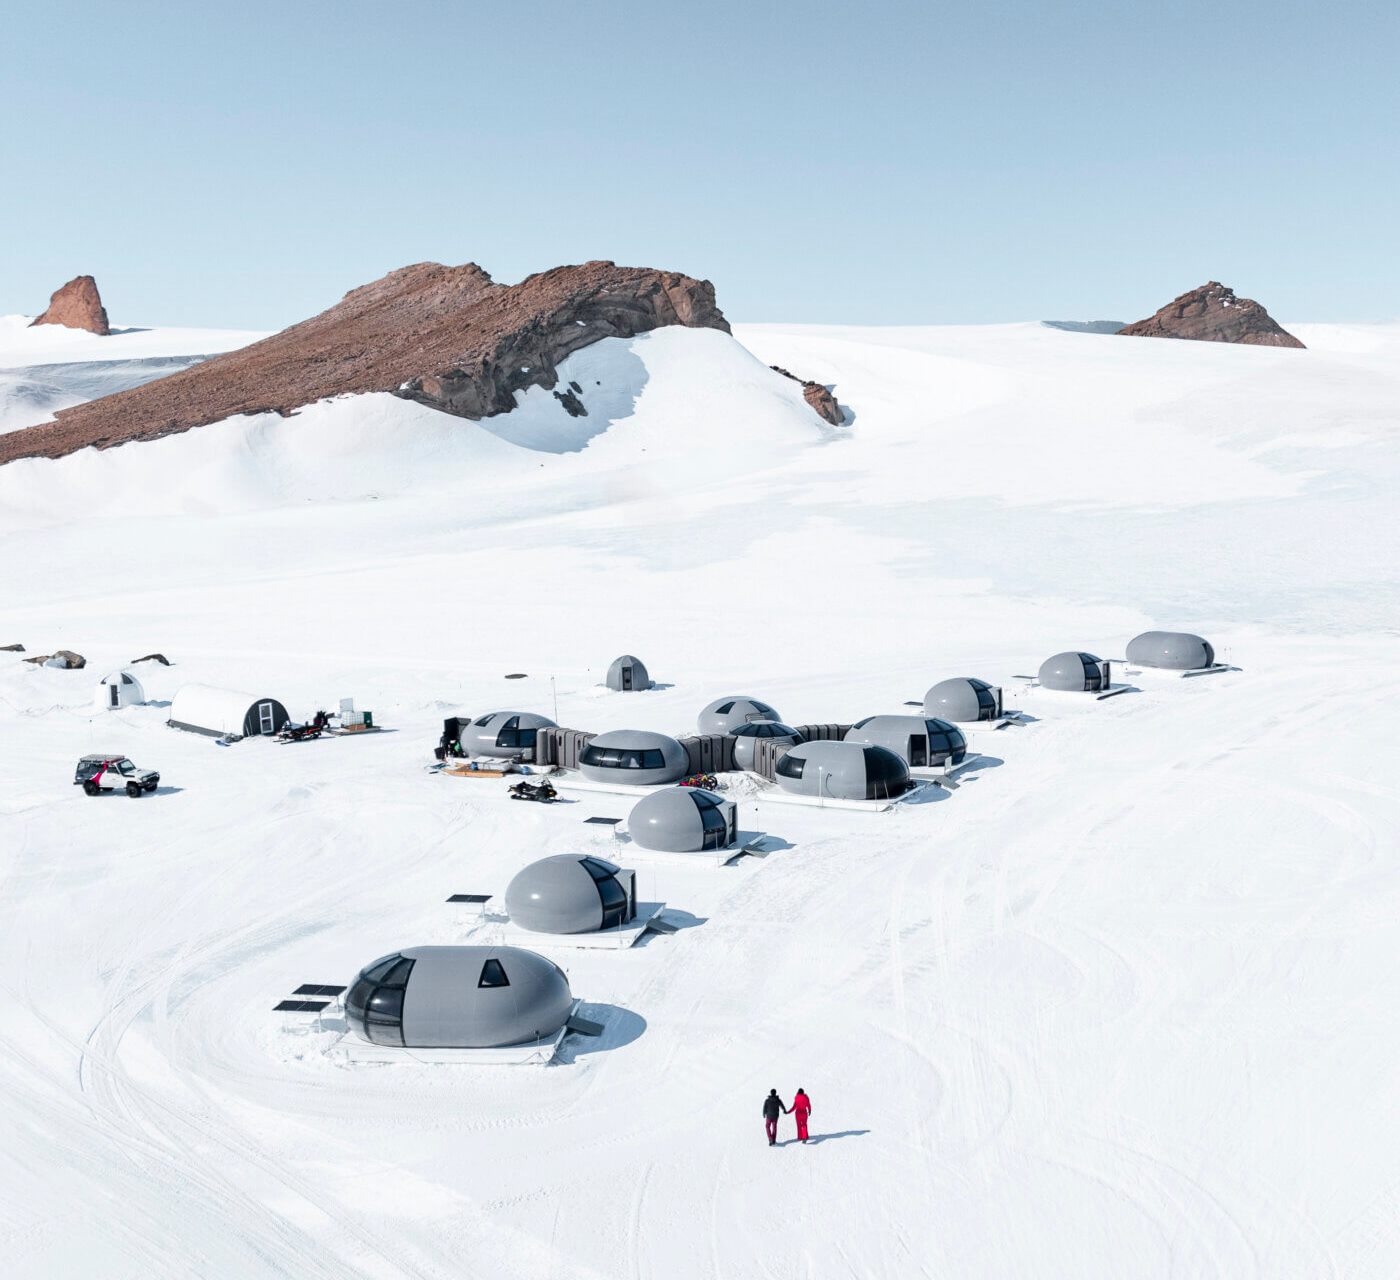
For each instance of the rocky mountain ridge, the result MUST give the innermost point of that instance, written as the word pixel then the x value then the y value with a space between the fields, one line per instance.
pixel 448 337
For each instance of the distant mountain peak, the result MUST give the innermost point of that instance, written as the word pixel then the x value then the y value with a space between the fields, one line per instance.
pixel 1212 313
pixel 77 305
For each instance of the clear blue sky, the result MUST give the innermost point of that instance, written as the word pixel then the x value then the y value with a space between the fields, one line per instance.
pixel 245 164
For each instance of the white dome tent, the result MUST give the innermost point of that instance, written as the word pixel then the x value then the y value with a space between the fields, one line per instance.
pixel 201 708
pixel 118 689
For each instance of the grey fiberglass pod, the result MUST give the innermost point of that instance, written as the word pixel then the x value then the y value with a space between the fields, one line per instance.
pixel 684 820
pixel 633 757
pixel 627 673
pixel 1171 650
pixel 503 735
pixel 458 998
pixel 1075 673
pixel 964 700
pixel 571 893
pixel 724 715
pixel 746 737
pixel 842 771
pixel 918 741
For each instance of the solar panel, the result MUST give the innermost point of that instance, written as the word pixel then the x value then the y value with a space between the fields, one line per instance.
pixel 317 989
pixel 476 899
pixel 300 1006
pixel 603 822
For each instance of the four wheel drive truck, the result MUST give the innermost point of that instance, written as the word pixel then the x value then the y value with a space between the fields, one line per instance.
pixel 113 773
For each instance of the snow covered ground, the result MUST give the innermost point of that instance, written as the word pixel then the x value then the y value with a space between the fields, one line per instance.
pixel 1121 1005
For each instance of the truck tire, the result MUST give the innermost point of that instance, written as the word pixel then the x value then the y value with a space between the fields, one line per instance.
pixel 91 788
pixel 133 789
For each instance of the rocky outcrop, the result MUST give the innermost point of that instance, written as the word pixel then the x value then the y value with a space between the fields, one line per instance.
pixel 819 397
pixel 151 657
pixel 77 305
pixel 11 648
pixel 60 658
pixel 448 337
pixel 1212 313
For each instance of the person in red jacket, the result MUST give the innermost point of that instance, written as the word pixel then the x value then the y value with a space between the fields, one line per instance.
pixel 801 1108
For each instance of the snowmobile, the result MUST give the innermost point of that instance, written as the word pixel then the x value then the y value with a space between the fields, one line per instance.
pixel 705 781
pixel 317 725
pixel 544 791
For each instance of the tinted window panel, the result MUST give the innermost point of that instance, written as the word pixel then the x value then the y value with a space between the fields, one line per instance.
pixel 493 974
pixel 385 1005
pixel 379 968
pixel 790 766
pixel 653 760
pixel 385 1033
pixel 398 975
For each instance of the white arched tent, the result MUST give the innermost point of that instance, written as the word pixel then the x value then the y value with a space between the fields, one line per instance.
pixel 201 708
pixel 118 689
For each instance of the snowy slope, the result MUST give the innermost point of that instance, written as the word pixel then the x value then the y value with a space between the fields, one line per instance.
pixel 1119 1005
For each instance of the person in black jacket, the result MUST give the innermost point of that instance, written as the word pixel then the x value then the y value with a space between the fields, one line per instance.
pixel 772 1109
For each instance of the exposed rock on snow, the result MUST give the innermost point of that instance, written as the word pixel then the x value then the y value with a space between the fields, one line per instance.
pixel 60 657
pixel 448 337
pixel 816 395
pixel 151 657
pixel 1212 313
pixel 11 648
pixel 77 305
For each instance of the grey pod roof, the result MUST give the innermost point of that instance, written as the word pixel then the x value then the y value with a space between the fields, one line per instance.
pixel 964 700
pixel 628 673
pixel 503 735
pixel 683 820
pixel 561 894
pixel 746 736
pixel 1074 672
pixel 1171 650
pixel 724 715
pixel 634 756
pixel 459 998
pixel 917 740
pixel 842 771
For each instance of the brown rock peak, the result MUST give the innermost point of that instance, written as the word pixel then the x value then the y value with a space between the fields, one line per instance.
pixel 1212 313
pixel 77 305
pixel 448 337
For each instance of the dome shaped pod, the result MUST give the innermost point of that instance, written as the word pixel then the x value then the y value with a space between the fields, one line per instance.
pixel 118 689
pixel 634 757
pixel 683 820
pixel 746 736
pixel 458 998
pixel 724 715
pixel 919 741
pixel 1075 672
pixel 571 893
pixel 503 735
pixel 627 674
pixel 964 700
pixel 843 771
pixel 1171 651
